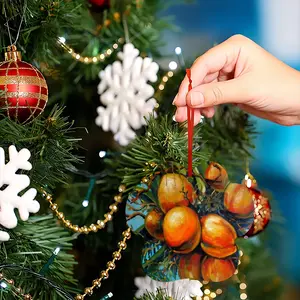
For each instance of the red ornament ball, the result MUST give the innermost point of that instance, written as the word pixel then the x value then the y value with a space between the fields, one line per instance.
pixel 100 3
pixel 26 90
pixel 262 213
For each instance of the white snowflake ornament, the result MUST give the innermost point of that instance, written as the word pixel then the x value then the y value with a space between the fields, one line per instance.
pixel 11 184
pixel 184 289
pixel 126 94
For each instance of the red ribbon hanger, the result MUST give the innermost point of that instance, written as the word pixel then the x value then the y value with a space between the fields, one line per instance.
pixel 190 120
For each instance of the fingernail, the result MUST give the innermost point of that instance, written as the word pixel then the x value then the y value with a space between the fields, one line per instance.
pixel 175 99
pixel 174 118
pixel 197 99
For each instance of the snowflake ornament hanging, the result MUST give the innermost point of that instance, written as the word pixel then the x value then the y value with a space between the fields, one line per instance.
pixel 125 92
pixel 11 184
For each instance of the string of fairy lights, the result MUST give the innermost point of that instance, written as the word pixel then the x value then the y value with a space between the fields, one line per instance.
pixel 208 294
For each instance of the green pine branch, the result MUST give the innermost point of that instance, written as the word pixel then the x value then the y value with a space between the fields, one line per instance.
pixel 31 245
pixel 230 135
pixel 43 22
pixel 165 144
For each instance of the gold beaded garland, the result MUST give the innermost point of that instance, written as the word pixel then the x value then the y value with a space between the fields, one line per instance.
pixel 163 82
pixel 96 283
pixel 88 291
pixel 88 59
pixel 104 274
pixel 122 245
pixel 117 255
pixel 110 266
pixel 122 188
pixel 100 224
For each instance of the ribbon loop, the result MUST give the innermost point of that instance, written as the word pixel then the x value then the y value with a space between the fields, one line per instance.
pixel 190 120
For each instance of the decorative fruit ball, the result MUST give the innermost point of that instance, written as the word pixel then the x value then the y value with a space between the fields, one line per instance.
pixel 218 236
pixel 262 213
pixel 26 88
pixel 217 270
pixel 190 266
pixel 154 222
pixel 175 190
pixel 182 230
pixel 216 176
pixel 238 200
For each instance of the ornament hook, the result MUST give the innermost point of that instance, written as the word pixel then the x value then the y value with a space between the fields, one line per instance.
pixel 12 53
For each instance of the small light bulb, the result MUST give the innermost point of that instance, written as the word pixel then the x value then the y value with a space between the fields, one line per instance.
pixel 3 285
pixel 243 286
pixel 206 291
pixel 170 73
pixel 178 50
pixel 56 251
pixel 219 291
pixel 102 154
pixel 62 39
pixel 173 65
pixel 85 203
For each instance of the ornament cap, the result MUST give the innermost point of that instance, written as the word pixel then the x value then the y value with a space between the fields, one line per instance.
pixel 12 54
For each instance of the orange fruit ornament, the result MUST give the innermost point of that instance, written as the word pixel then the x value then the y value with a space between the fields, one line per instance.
pixel 217 270
pixel 153 224
pixel 238 200
pixel 218 236
pixel 216 176
pixel 190 266
pixel 175 190
pixel 182 230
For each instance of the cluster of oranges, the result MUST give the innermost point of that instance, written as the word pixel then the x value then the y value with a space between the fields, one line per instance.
pixel 207 243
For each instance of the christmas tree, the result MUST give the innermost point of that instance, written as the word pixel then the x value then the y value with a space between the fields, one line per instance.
pixel 68 162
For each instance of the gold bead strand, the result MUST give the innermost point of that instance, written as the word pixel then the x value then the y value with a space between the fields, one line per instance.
pixel 90 59
pixel 111 265
pixel 100 224
pixel 163 82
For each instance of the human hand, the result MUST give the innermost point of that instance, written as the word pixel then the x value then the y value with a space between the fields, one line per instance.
pixel 240 72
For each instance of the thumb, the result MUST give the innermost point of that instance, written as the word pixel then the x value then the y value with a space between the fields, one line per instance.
pixel 211 94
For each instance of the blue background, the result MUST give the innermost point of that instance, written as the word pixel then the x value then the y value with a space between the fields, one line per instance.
pixel 277 154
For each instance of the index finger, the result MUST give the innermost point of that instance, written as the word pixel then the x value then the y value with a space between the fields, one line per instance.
pixel 214 60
